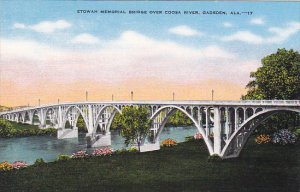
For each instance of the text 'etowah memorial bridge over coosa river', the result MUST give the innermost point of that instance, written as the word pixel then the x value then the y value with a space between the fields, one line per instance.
pixel 225 125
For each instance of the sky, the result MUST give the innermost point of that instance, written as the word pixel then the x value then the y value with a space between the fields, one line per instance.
pixel 51 50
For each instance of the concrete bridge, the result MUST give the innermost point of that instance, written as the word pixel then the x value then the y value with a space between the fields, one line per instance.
pixel 225 125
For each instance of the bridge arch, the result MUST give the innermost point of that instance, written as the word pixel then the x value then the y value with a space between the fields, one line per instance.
pixel 50 115
pixel 78 112
pixel 35 116
pixel 115 110
pixel 173 108
pixel 248 126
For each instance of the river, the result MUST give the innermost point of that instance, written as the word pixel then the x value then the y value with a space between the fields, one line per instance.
pixel 28 149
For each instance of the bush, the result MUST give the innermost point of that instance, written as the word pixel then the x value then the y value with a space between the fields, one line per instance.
pixel 214 158
pixel 297 133
pixel 284 137
pixel 198 136
pixel 120 151
pixel 39 161
pixel 5 166
pixel 189 138
pixel 132 150
pixel 63 157
pixel 263 139
pixel 169 143
pixel 104 151
pixel 79 154
pixel 6 129
pixel 19 164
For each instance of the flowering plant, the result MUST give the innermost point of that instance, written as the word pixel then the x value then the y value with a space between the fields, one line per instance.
pixel 104 151
pixel 79 154
pixel 19 164
pixel 5 166
pixel 283 137
pixel 198 136
pixel 263 139
pixel 169 143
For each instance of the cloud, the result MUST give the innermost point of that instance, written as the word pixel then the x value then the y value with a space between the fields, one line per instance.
pixel 184 30
pixel 227 24
pixel 277 35
pixel 244 36
pixel 282 34
pixel 131 56
pixel 257 21
pixel 85 38
pixel 45 26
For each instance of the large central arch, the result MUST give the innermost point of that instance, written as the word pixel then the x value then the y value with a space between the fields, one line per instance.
pixel 173 108
pixel 239 138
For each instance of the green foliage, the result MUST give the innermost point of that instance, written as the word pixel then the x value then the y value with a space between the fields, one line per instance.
pixel 132 150
pixel 81 124
pixel 135 124
pixel 39 161
pixel 277 78
pixel 297 133
pixel 63 157
pixel 6 129
pixel 189 138
pixel 214 158
pixel 120 151
pixel 116 123
pixel 179 118
pixel 13 129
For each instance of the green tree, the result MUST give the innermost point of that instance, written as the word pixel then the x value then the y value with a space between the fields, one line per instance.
pixel 135 124
pixel 6 129
pixel 277 78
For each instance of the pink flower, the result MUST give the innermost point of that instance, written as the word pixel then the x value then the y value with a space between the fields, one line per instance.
pixel 198 136
pixel 19 164
pixel 102 151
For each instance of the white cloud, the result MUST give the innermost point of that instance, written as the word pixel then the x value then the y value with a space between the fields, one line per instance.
pixel 257 21
pixel 244 36
pixel 45 26
pixel 184 30
pixel 130 56
pixel 282 34
pixel 19 26
pixel 277 35
pixel 85 38
pixel 227 24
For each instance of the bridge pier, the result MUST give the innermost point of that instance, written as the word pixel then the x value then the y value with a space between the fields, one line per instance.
pixel 67 133
pixel 99 140
pixel 150 147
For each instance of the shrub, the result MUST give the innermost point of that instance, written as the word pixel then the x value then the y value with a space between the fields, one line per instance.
pixel 297 133
pixel 120 151
pixel 214 158
pixel 63 157
pixel 189 138
pixel 169 143
pixel 104 151
pixel 284 137
pixel 39 161
pixel 6 129
pixel 263 139
pixel 79 154
pixel 5 166
pixel 198 136
pixel 19 164
pixel 132 150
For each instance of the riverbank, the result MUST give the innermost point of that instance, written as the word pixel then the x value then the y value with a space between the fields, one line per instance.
pixel 10 129
pixel 180 168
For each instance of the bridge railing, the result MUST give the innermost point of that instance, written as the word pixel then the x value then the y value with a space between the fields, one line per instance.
pixel 168 102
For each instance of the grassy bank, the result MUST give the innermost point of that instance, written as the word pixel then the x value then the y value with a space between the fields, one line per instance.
pixel 181 168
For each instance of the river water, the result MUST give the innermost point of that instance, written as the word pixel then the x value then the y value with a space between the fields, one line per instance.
pixel 28 149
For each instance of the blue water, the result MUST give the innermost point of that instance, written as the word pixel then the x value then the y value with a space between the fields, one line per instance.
pixel 28 149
